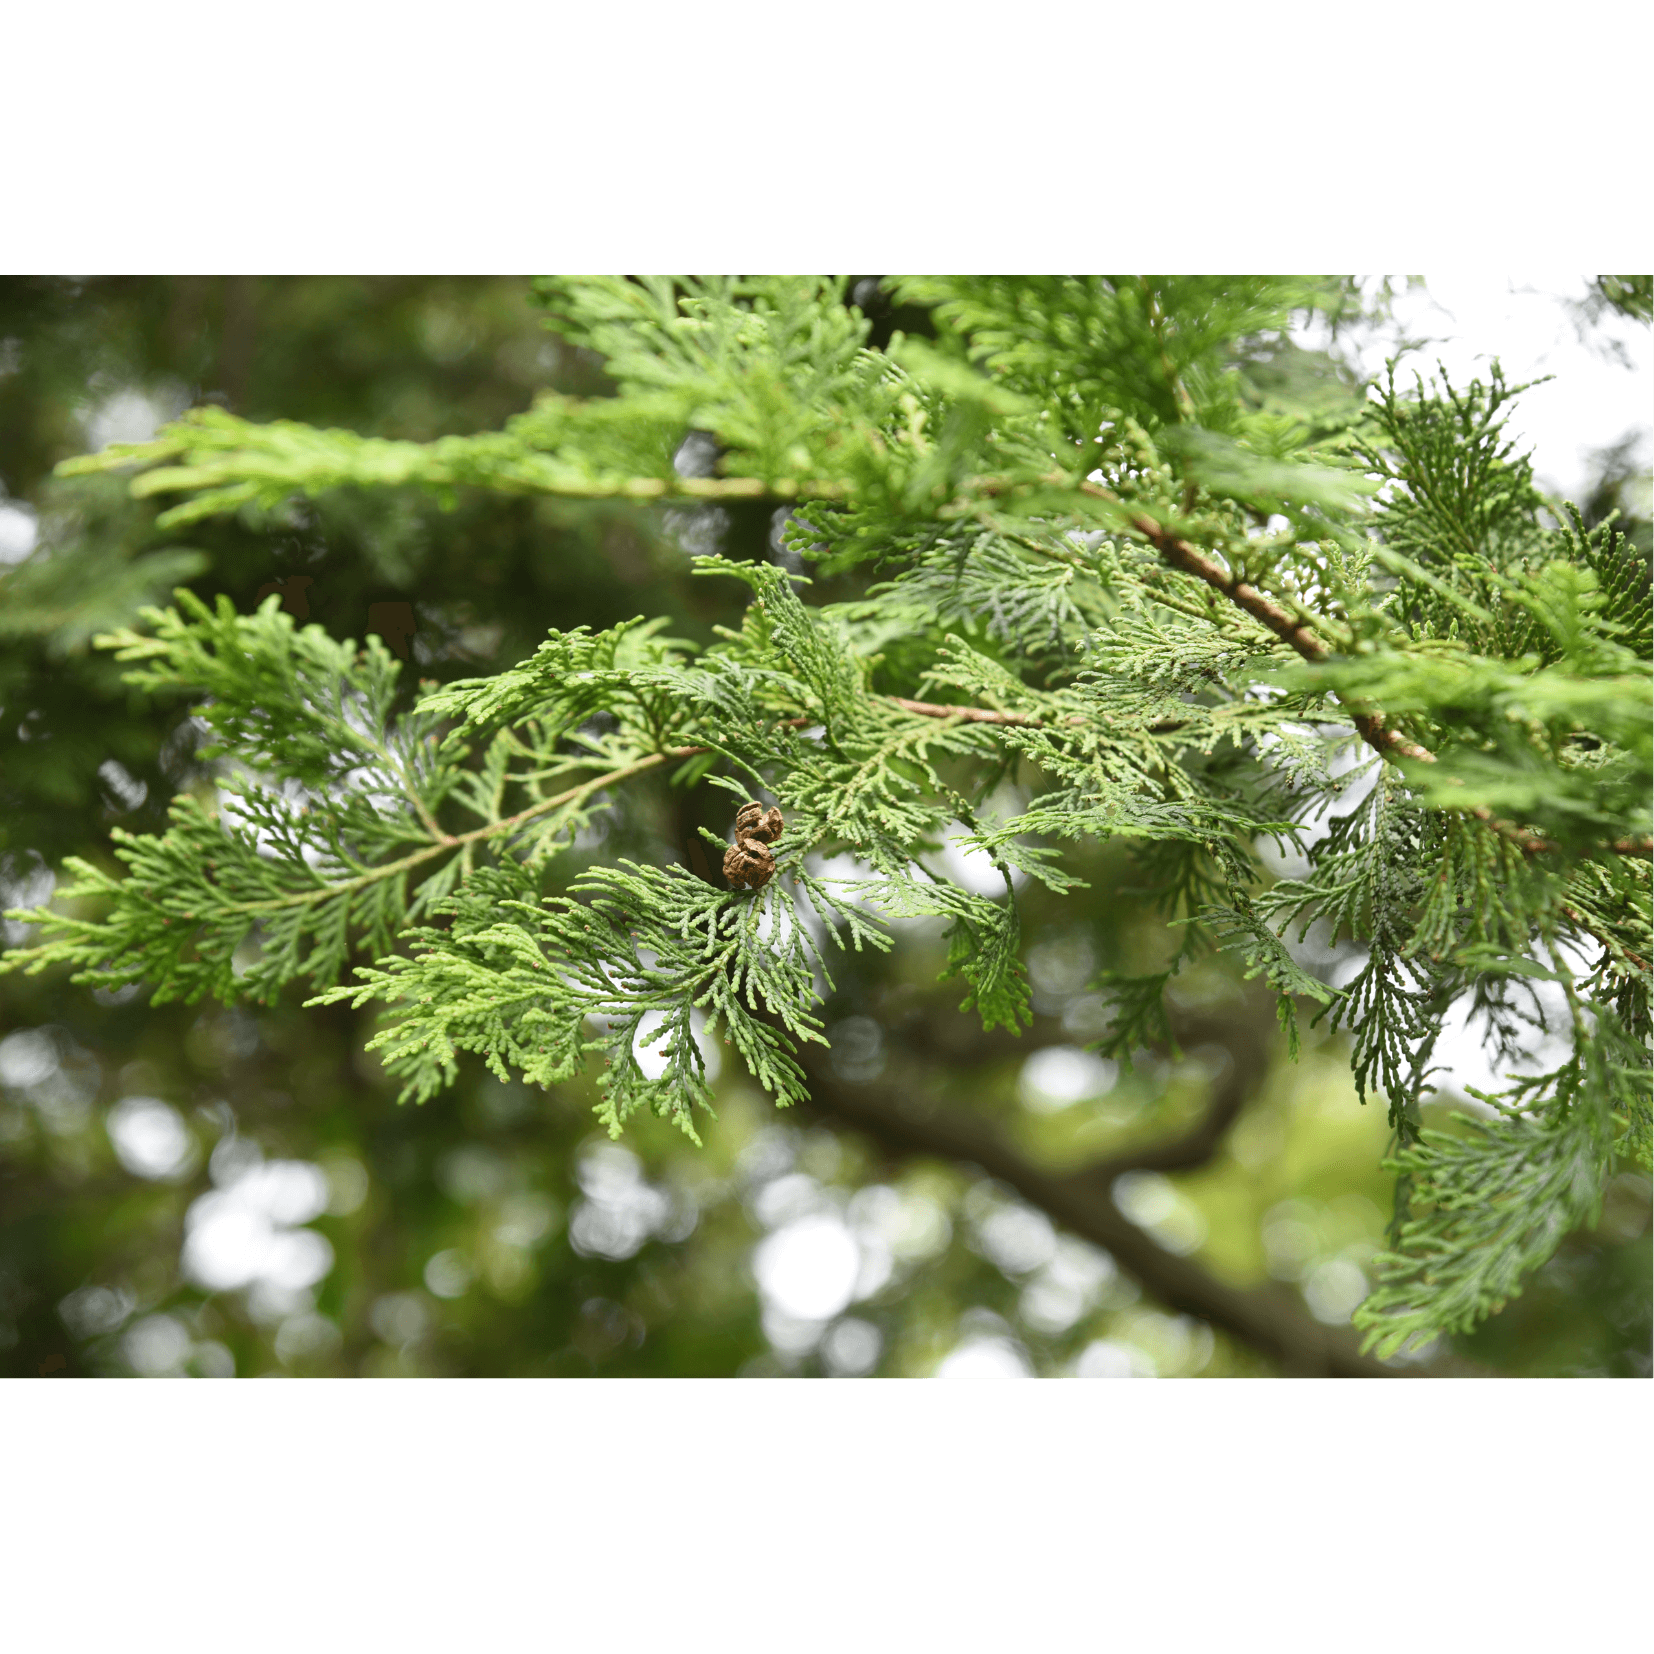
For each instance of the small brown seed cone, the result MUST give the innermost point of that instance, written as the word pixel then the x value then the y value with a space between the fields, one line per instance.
pixel 748 862
pixel 753 820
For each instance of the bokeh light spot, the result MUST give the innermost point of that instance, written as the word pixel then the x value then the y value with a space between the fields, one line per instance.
pixel 1059 1076
pixel 151 1139
pixel 808 1268
pixel 1106 1358
pixel 448 1275
pixel 851 1348
pixel 1333 1290
pixel 986 1358
pixel 157 1346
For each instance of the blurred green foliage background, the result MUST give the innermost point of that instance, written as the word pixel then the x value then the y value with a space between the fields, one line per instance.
pixel 213 1192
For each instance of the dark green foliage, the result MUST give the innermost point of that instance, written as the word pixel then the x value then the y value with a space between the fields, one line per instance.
pixel 1499 1198
pixel 1243 929
pixel 1140 1021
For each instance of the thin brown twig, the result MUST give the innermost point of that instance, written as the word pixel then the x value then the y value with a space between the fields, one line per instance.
pixel 970 714
pixel 1016 720
pixel 1300 637
pixel 1579 919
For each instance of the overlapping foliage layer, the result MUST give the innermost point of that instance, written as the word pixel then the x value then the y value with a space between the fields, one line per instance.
pixel 1143 568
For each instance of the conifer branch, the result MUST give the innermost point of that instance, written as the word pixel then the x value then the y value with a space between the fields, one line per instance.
pixel 477 835
pixel 1295 633
pixel 1299 636
pixel 1005 484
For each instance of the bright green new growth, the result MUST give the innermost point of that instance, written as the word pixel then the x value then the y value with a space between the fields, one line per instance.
pixel 1139 556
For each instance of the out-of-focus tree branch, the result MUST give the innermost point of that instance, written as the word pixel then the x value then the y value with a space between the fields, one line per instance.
pixel 1270 1319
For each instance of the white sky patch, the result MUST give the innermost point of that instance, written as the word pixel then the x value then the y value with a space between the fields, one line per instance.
pixel 1069 1284
pixel 157 1346
pixel 377 786
pixel 27 1057
pixel 776 921
pixel 1016 1239
pixel 19 532
pixel 840 869
pixel 1466 1059
pixel 973 868
pixel 852 1347
pixel 841 872
pixel 94 1310
pixel 1527 323
pixel 45 1068
pixel 781 918
pixel 969 868
pixel 290 796
pixel 1349 755
pixel 911 1225
pixel 652 1059
pixel 1165 1345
